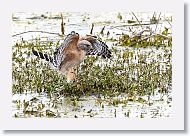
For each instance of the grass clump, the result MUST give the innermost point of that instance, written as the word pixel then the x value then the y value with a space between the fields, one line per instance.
pixel 152 40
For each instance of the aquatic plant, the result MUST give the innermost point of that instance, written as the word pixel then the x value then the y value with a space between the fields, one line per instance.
pixel 95 77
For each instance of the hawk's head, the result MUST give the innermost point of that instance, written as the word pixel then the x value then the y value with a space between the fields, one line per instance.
pixel 85 45
pixel 73 36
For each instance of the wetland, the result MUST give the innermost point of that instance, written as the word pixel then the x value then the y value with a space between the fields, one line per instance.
pixel 136 82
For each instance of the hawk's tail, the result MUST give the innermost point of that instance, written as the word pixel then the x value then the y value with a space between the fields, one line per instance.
pixel 43 56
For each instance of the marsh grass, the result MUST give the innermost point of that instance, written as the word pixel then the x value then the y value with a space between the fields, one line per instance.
pixel 150 39
pixel 96 76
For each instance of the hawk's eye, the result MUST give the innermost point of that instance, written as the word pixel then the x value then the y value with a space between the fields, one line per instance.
pixel 73 32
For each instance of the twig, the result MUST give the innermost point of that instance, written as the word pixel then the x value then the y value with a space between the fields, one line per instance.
pixel 157 22
pixel 62 25
pixel 92 27
pixel 35 32
pixel 168 21
pixel 153 15
pixel 102 31
pixel 137 19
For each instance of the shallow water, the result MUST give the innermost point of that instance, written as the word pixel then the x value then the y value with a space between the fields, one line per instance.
pixel 155 106
pixel 82 22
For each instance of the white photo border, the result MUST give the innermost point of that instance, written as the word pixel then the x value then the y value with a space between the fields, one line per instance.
pixel 176 122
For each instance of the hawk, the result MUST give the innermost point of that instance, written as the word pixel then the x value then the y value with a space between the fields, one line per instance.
pixel 73 51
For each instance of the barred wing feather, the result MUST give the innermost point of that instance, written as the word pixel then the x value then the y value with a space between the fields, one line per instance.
pixel 58 54
pixel 99 48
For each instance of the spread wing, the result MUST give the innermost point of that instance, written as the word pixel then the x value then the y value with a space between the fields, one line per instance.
pixel 99 47
pixel 65 47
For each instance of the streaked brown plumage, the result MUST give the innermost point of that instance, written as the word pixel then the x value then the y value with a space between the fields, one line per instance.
pixel 73 51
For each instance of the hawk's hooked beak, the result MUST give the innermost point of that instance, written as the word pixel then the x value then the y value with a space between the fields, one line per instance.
pixel 91 47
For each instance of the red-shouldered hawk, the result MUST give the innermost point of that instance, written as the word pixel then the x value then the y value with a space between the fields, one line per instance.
pixel 73 51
